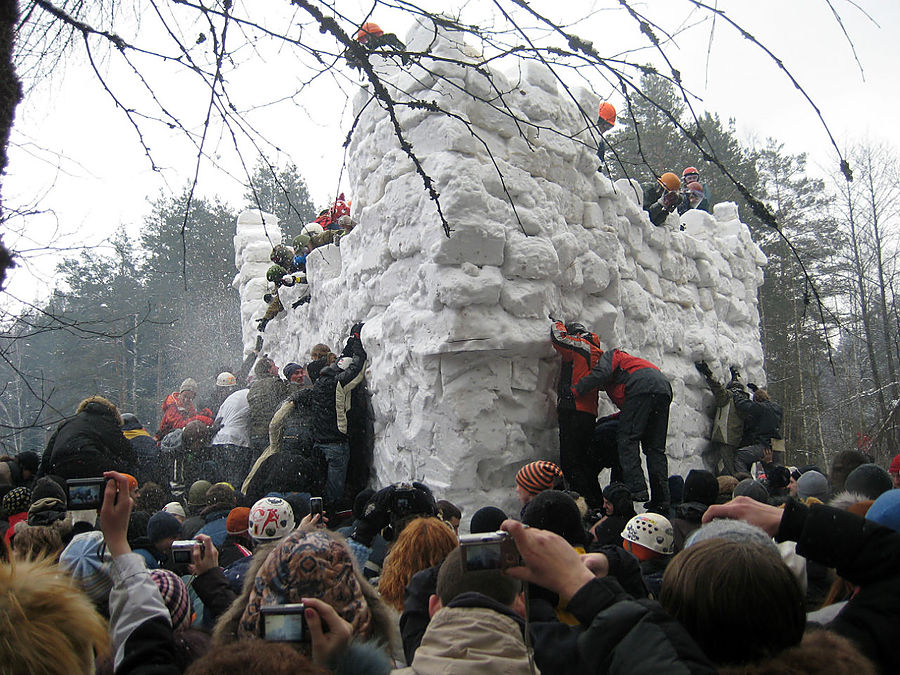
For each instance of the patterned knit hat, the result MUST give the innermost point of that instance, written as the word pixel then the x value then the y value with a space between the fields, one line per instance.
pixel 17 500
pixel 238 521
pixel 538 476
pixel 175 595
pixel 308 564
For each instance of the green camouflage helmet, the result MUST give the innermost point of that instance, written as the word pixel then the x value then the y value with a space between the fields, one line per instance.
pixel 300 241
pixel 282 255
pixel 275 272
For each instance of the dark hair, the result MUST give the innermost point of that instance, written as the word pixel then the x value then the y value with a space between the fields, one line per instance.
pixel 448 510
pixel 254 658
pixel 150 498
pixel 453 580
pixel 738 600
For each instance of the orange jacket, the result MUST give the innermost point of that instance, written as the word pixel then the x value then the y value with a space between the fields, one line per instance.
pixel 579 356
pixel 175 415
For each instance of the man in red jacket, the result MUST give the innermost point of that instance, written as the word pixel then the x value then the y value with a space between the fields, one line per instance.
pixel 643 394
pixel 577 414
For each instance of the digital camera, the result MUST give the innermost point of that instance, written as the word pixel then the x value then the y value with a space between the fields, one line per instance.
pixel 488 551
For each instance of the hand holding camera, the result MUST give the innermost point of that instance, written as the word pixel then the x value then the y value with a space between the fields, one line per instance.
pixel 670 200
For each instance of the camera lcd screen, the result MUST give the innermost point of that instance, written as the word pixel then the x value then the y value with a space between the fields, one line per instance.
pixel 85 496
pixel 483 557
pixel 283 627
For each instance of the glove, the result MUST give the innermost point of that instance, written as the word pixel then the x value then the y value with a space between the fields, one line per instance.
pixel 752 387
pixel 356 329
pixel 735 375
pixel 670 200
pixel 376 516
pixel 703 368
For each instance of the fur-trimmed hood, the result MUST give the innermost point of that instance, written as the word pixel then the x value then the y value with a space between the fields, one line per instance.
pixel 844 500
pixel 98 405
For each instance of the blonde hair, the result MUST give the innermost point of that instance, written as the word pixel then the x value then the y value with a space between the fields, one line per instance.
pixel 424 543
pixel 37 541
pixel 48 625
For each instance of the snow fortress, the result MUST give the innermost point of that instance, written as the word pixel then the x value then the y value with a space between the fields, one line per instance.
pixel 461 368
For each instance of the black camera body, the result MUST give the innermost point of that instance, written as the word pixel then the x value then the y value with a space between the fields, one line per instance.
pixel 284 623
pixel 83 494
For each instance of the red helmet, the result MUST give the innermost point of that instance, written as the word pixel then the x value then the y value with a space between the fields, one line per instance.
pixel 607 113
pixel 690 171
pixel 368 30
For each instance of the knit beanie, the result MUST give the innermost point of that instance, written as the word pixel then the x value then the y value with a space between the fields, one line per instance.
pixel 486 519
pixel 538 476
pixel 557 512
pixel 895 465
pixel 87 560
pixel 731 530
pixel 290 369
pixel 197 493
pixel 812 484
pixel 175 596
pixel 886 510
pixel 47 487
pixel 28 460
pixel 238 521
pixel 676 489
pixel 175 508
pixel 701 486
pixel 17 500
pixel 753 489
pixel 161 526
pixel 870 480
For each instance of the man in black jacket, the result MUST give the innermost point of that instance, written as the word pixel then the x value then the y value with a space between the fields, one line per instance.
pixel 762 423
pixel 331 401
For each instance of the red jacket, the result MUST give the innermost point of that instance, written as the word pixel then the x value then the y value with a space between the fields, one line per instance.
pixel 620 375
pixel 579 356
pixel 175 415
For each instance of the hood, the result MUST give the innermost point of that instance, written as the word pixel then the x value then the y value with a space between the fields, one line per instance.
pixel 97 405
pixel 690 511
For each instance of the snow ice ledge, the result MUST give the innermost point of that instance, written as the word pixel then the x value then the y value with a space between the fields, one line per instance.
pixel 461 368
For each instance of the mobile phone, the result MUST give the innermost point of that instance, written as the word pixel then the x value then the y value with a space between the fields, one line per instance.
pixel 85 493
pixel 488 551
pixel 315 506
pixel 181 550
pixel 284 623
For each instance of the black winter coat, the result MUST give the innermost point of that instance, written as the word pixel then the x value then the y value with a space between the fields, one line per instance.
pixel 331 395
pixel 762 419
pixel 88 444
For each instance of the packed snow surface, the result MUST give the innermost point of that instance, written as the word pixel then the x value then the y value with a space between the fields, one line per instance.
pixel 460 364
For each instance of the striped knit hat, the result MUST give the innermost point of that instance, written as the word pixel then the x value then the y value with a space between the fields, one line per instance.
pixel 175 596
pixel 538 476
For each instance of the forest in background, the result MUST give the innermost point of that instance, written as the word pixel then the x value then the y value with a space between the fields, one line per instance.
pixel 128 323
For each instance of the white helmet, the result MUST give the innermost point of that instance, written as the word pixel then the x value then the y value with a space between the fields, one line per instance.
pixel 225 379
pixel 271 518
pixel 311 229
pixel 651 531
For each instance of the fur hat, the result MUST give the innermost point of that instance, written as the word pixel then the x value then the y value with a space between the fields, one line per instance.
pixel 701 486
pixel 161 526
pixel 486 519
pixel 220 494
pixel 870 480
pixel 812 484
pixel 175 596
pixel 844 500
pixel 100 404
pixel 726 488
pixel 538 476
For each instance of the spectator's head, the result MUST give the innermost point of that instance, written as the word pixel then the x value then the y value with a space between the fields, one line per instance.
pixel 318 351
pixel 238 521
pixel 753 489
pixel 844 463
pixel 869 480
pixel 423 543
pixel 188 390
pixel 315 564
pixel 294 372
pixel 220 497
pixel 99 405
pixel 197 494
pixel 226 381
pixel 453 580
pixel 894 471
pixel 16 501
pixel 245 656
pixel 812 484
pixel 779 478
pixel 884 511
pixel 162 529
pixel 175 596
pixel 35 542
pixel 726 488
pixel 760 396
pixel 48 488
pixel 150 498
pixel 314 368
pixel 714 586
pixel 536 477
pixel 557 512
pixel 617 501
pixel 28 462
pixel 176 509
pixel 486 519
pixel 701 486
pixel 449 513
pixel 359 502
pixel 195 435
pixel 271 518
pixel 648 535
pixel 87 560
pixel 49 625
pixel 265 367
pixel 732 530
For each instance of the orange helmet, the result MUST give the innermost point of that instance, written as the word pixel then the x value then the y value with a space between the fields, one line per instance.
pixel 669 181
pixel 367 30
pixel 607 113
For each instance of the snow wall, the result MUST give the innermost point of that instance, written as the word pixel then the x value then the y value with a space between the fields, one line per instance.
pixel 461 370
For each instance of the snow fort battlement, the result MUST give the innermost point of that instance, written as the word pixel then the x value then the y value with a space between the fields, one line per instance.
pixel 461 370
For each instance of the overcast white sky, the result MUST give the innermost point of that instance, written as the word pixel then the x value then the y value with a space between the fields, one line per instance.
pixel 77 157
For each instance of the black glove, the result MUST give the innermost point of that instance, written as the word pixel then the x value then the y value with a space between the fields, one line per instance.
pixel 752 387
pixel 735 375
pixel 703 368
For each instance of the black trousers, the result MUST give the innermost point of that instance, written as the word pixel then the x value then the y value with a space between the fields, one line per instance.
pixel 643 424
pixel 576 431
